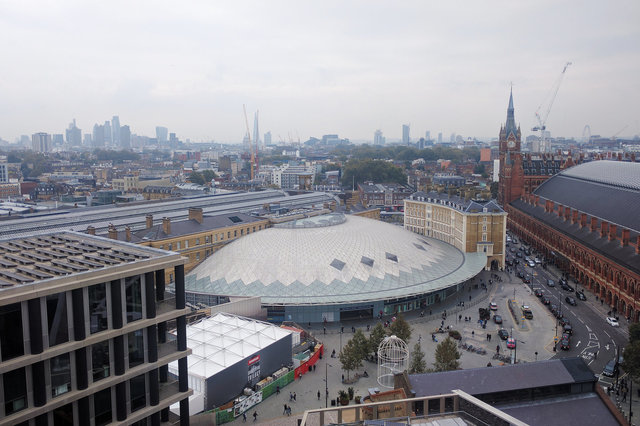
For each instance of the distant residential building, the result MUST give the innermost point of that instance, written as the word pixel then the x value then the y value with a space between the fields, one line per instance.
pixel 440 137
pixel 293 177
pixel 390 195
pixel 73 134
pixel 9 190
pixel 41 142
pixel 406 138
pixel 107 132
pixel 378 139
pixel 161 134
pixel 469 225
pixel 267 139
pixel 4 173
pixel 448 181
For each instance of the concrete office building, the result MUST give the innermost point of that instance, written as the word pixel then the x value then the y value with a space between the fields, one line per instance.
pixel 84 332
pixel 41 142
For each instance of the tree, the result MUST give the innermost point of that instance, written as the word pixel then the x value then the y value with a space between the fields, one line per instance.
pixel 494 190
pixel 634 332
pixel 350 356
pixel 418 364
pixel 196 178
pixel 400 328
pixel 447 356
pixel 377 334
pixel 631 363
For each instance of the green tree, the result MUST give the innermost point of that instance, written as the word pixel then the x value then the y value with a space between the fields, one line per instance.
pixel 350 357
pixel 208 175
pixel 447 356
pixel 377 334
pixel 361 344
pixel 196 178
pixel 400 328
pixel 418 364
pixel 494 190
pixel 634 332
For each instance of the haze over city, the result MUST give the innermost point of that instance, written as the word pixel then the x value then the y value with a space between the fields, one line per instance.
pixel 330 67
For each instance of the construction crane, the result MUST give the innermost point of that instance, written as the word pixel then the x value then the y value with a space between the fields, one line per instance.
pixel 246 121
pixel 613 138
pixel 542 120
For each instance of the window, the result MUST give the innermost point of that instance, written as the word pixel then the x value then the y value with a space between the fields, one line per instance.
pixel 254 229
pixel 63 416
pixel 235 232
pixel 133 288
pixel 15 390
pixel 207 239
pixel 60 375
pixel 97 308
pixel 484 237
pixel 484 218
pixel 198 256
pixel 186 244
pixel 136 348
pixel 137 390
pixel 57 318
pixel 100 360
pixel 242 232
pixel 170 247
pixel 177 245
pixel 484 228
pixel 197 241
pixel 102 407
pixel 11 344
pixel 170 278
pixel 228 234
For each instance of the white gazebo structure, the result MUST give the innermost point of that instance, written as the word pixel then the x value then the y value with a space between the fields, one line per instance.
pixel 393 358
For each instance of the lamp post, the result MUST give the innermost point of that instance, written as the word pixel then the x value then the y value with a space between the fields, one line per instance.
pixel 326 385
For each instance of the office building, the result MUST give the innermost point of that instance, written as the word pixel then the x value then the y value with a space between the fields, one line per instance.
pixel 73 134
pixel 125 137
pixel 98 136
pixel 427 135
pixel 107 132
pixel 440 137
pixel 90 339
pixel 115 131
pixel 385 195
pixel 378 139
pixel 267 139
pixel 256 131
pixel 4 173
pixel 161 134
pixel 41 142
pixel 406 139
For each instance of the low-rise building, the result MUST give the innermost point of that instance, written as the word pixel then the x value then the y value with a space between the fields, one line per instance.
pixel 389 195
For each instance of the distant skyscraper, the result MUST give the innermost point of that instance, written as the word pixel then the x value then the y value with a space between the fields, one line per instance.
pixel 427 135
pixel 440 137
pixel 107 132
pixel 57 139
pixel 87 140
pixel 73 134
pixel 161 134
pixel 4 173
pixel 452 139
pixel 378 139
pixel 98 136
pixel 125 137
pixel 406 139
pixel 256 132
pixel 41 142
pixel 115 130
pixel 267 139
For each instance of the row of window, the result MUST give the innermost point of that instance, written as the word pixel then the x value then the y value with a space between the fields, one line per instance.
pixel 208 239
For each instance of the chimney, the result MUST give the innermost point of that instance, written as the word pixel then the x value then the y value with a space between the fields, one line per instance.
pixel 166 225
pixel 567 213
pixel 537 200
pixel 560 210
pixel 91 230
pixel 551 206
pixel 196 214
pixel 604 228
pixel 638 245
pixel 583 220
pixel 149 221
pixel 594 224
pixel 625 237
pixel 113 233
pixel 127 231
pixel 574 217
pixel 613 232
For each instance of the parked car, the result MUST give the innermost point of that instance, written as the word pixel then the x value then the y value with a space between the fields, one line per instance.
pixel 570 300
pixel 504 334
pixel 611 368
pixel 519 254
pixel 537 260
pixel 545 300
pixel 551 283
pixel 526 279
pixel 493 306
pixel 497 319
pixel 581 295
pixel 531 263
pixel 538 292
pixel 612 322
pixel 563 321
pixel 565 342
pixel 562 281
pixel 511 343
pixel 567 287
pixel 520 274
pixel 567 329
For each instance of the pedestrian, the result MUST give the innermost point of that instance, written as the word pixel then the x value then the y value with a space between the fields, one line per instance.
pixel 489 337
pixel 473 333
pixel 324 329
pixel 290 396
pixel 318 395
pixel 284 410
pixel 255 416
pixel 624 396
pixel 460 317
pixel 595 355
pixel 469 296
pixel 288 411
pixel 497 349
pixel 244 417
pixel 343 378
pixel 294 397
pixel 278 390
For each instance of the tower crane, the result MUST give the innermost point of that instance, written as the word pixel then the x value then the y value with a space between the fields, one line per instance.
pixel 542 120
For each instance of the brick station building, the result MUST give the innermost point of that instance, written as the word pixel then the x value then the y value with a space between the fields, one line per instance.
pixel 585 219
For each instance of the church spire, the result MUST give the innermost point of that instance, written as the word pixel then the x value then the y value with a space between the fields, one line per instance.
pixel 510 127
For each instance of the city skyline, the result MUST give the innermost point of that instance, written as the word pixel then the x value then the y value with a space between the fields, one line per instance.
pixel 443 68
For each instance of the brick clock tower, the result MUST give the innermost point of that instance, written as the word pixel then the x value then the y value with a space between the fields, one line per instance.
pixel 511 175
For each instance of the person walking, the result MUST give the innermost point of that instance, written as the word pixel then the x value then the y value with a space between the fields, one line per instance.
pixel 284 410
pixel 318 395
pixel 244 417
pixel 255 416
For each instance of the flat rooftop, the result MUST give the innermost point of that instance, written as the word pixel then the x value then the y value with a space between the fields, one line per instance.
pixel 40 258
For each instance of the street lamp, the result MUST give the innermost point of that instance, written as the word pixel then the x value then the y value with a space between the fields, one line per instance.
pixel 326 386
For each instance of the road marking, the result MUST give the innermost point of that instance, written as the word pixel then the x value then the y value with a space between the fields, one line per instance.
pixel 592 336
pixel 578 344
pixel 588 328
pixel 606 346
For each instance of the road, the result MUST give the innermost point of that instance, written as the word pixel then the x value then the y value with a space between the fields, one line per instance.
pixel 593 338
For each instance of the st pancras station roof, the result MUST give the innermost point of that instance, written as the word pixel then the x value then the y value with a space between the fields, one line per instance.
pixel 333 259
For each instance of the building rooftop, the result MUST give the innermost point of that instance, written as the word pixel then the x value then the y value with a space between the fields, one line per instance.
pixel 457 202
pixel 42 258
pixel 333 259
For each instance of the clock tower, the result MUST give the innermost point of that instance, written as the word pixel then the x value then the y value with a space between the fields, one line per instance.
pixel 511 174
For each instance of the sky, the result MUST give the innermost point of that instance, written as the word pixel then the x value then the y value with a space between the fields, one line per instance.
pixel 323 67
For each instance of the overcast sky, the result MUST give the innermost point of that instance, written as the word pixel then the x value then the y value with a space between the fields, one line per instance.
pixel 312 68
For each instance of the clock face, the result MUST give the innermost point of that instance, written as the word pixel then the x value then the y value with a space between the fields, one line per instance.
pixel 511 144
